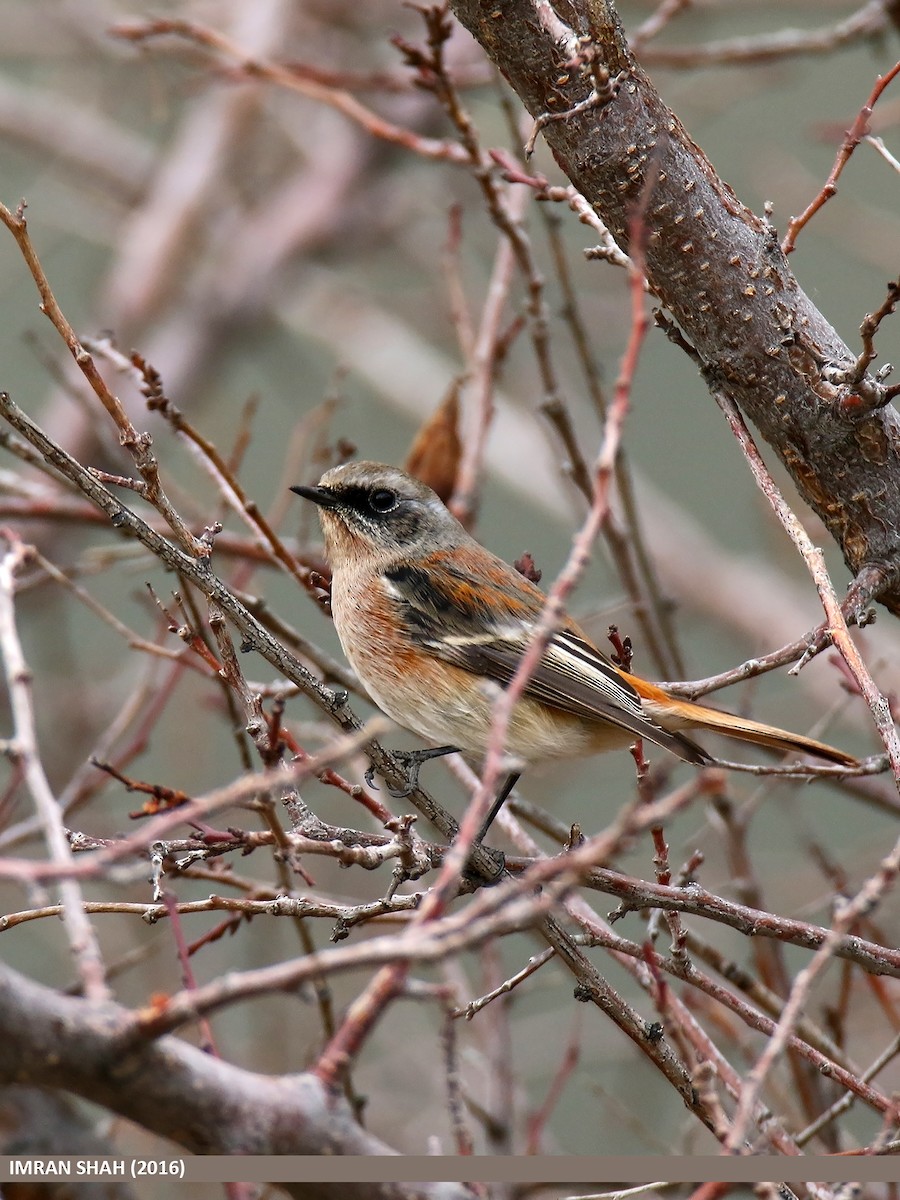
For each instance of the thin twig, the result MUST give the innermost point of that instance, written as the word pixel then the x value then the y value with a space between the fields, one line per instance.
pixel 852 138
pixel 137 444
pixel 24 749
pixel 285 76
pixel 815 563
pixel 867 22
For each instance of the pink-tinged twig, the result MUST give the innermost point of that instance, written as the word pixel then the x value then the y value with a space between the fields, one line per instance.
pixel 873 890
pixel 831 1064
pixel 553 613
pixel 513 904
pixel 705 1048
pixel 857 403
pixel 701 903
pixel 455 1094
pixel 188 978
pixel 497 1100
pixel 534 964
pixel 815 563
pixel 869 895
pixel 23 747
pixel 284 76
pixel 210 458
pixel 868 21
pixel 132 639
pixel 656 23
pixel 502 209
pixel 368 1007
pixel 583 542
pixel 156 829
pixel 478 391
pixel 137 444
pixel 879 147
pixel 537 1122
pixel 624 537
pixel 514 172
pixel 849 1098
pixel 746 919
pixel 852 138
pixel 460 316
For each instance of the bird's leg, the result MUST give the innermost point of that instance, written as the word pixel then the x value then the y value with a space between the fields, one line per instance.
pixel 501 798
pixel 412 761
pixel 480 878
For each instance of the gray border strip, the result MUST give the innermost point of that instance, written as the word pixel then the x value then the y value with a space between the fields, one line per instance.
pixel 563 1169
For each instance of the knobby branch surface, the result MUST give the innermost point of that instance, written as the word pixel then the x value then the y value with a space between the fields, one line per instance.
pixel 198 1101
pixel 714 264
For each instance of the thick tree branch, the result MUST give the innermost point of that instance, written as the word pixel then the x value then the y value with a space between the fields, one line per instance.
pixel 179 1092
pixel 714 264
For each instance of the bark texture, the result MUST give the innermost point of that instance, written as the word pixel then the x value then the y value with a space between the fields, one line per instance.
pixel 713 264
pixel 200 1102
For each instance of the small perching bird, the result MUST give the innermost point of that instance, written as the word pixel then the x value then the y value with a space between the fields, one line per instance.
pixel 433 624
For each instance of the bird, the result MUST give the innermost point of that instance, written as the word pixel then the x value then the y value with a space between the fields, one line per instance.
pixel 435 625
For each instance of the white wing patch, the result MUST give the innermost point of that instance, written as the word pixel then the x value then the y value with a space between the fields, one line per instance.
pixel 580 662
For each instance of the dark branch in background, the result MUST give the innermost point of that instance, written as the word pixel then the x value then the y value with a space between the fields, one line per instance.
pixel 715 265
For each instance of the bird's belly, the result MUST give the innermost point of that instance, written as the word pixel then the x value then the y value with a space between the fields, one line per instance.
pixel 448 706
pixel 456 708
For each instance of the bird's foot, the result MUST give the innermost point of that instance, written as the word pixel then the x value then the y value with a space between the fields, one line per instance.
pixel 411 761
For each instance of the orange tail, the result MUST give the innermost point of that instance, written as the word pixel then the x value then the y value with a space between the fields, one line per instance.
pixel 674 713
pixel 746 730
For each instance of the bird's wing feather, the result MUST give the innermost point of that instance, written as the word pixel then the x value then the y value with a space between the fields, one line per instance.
pixel 484 625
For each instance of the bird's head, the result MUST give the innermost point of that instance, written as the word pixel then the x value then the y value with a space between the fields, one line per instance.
pixel 370 509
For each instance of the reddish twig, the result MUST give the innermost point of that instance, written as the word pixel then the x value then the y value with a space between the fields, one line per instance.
pixel 137 444
pixel 538 1120
pixel 284 75
pixel 815 563
pixel 852 138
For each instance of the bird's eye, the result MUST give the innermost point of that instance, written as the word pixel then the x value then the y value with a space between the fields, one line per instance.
pixel 382 500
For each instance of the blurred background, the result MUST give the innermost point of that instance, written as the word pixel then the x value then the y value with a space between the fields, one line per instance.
pixel 298 281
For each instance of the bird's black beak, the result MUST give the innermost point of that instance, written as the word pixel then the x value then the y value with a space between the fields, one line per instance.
pixel 324 497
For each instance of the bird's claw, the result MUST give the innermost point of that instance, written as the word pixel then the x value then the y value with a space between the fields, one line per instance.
pixel 411 762
pixel 394 793
pixel 369 777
